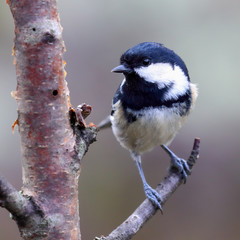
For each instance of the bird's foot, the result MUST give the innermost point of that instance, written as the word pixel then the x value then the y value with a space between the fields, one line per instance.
pixel 181 166
pixel 153 196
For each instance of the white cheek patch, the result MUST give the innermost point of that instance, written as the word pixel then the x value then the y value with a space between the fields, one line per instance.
pixel 163 74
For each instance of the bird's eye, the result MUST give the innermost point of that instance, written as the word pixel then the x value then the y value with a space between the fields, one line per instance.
pixel 146 62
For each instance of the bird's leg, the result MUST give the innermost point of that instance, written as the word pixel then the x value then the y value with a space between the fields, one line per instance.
pixel 178 163
pixel 150 193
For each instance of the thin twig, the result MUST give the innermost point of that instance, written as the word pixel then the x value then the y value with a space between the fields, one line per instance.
pixel 105 123
pixel 146 210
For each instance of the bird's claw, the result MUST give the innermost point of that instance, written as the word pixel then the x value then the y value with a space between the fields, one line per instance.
pixel 182 167
pixel 153 196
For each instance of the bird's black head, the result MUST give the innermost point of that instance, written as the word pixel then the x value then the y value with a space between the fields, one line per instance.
pixel 154 76
pixel 145 54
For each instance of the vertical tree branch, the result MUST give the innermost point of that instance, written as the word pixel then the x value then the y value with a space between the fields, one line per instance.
pixel 51 163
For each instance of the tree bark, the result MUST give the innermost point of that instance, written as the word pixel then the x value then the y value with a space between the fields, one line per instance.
pixel 51 156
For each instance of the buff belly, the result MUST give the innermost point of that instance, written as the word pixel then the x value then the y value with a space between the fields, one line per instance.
pixel 155 127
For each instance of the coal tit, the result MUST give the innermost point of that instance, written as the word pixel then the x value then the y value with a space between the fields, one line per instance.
pixel 151 104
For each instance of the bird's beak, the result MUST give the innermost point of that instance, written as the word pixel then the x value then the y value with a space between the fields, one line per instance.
pixel 122 69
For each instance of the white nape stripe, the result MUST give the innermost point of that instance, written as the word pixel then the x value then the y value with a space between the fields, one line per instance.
pixel 163 74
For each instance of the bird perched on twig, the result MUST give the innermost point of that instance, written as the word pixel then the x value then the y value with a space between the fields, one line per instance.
pixel 151 104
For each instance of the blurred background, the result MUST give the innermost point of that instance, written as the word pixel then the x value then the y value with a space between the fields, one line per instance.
pixel 206 35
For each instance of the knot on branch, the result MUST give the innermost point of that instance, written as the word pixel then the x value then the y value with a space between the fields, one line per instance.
pixel 88 135
pixel 84 137
pixel 85 134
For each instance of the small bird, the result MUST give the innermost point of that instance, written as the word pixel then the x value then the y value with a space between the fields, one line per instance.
pixel 151 105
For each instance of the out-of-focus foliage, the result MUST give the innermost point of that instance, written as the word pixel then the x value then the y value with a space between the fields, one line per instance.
pixel 206 35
